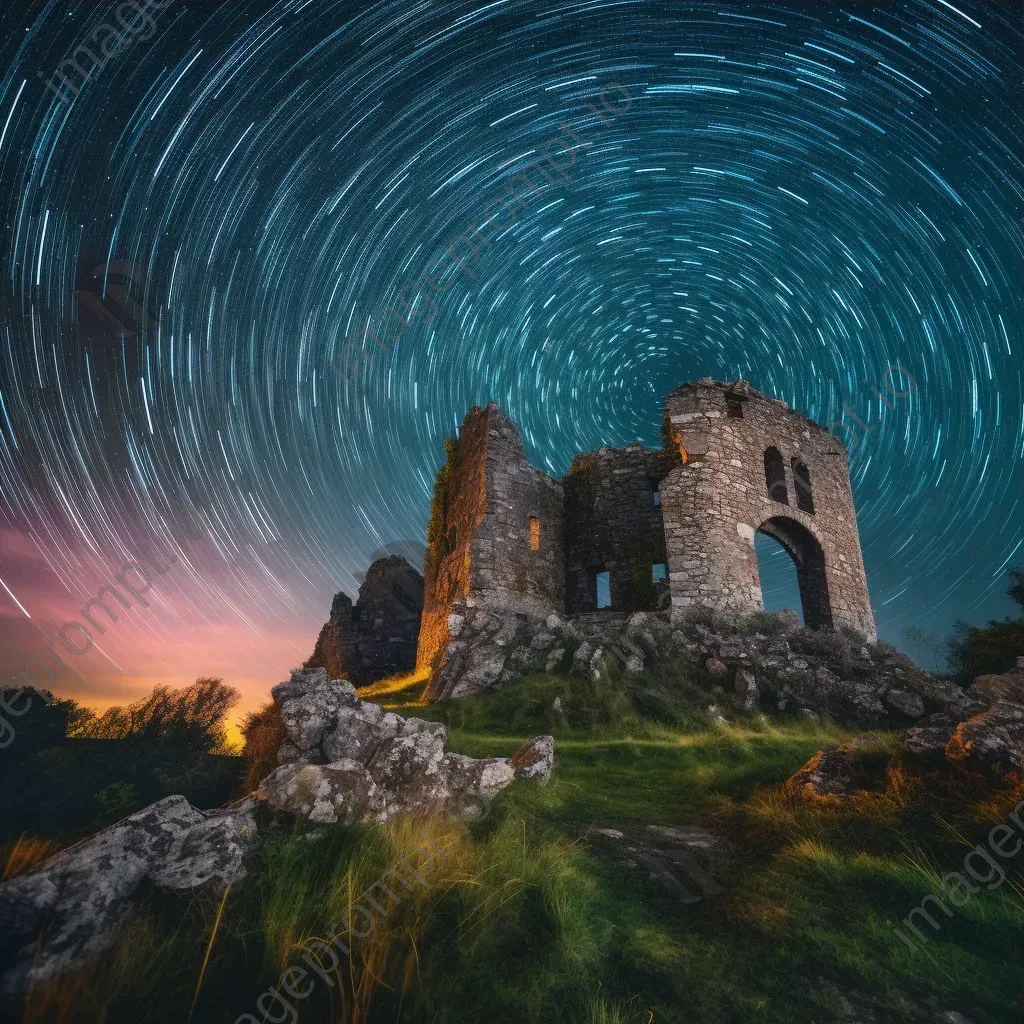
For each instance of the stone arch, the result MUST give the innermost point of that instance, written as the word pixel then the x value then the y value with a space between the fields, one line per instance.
pixel 775 475
pixel 802 486
pixel 806 551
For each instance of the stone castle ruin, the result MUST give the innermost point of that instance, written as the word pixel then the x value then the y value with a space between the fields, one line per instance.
pixel 633 529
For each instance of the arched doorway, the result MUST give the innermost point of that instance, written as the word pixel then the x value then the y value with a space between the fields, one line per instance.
pixel 804 549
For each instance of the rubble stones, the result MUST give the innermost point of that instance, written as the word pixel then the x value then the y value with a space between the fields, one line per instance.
pixel 981 728
pixel 778 666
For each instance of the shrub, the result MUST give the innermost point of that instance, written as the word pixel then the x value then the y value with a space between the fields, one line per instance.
pixel 263 732
pixel 975 650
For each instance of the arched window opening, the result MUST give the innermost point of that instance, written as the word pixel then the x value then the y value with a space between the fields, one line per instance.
pixel 805 551
pixel 802 486
pixel 775 476
pixel 734 409
pixel 534 533
pixel 603 588
pixel 779 586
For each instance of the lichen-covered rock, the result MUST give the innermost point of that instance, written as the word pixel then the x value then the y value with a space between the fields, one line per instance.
pixel 381 764
pixel 210 855
pixel 374 764
pixel 358 732
pixel 905 703
pixel 79 898
pixel 746 686
pixel 310 704
pixel 324 793
pixel 581 657
pixel 931 734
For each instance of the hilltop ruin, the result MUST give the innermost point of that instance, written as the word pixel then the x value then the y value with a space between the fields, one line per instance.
pixel 665 530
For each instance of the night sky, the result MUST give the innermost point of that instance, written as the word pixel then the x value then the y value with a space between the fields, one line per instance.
pixel 806 195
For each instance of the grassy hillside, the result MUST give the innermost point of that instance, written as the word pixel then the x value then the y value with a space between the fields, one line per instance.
pixel 530 918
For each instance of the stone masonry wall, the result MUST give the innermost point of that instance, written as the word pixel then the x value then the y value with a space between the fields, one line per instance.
pixel 460 501
pixel 479 548
pixel 713 504
pixel 614 524
pixel 504 571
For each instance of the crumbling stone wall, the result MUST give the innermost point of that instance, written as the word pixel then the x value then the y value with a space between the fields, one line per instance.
pixel 457 509
pixel 479 539
pixel 377 636
pixel 715 501
pixel 614 524
pixel 504 570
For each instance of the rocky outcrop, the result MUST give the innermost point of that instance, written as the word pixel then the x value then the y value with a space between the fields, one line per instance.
pixel 768 660
pixel 343 760
pixel 982 729
pixel 377 636
pixel 79 899
pixel 348 760
pixel 992 739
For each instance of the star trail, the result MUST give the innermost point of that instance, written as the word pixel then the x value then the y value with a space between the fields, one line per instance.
pixel 802 194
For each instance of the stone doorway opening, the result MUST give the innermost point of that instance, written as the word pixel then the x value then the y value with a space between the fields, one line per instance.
pixel 805 551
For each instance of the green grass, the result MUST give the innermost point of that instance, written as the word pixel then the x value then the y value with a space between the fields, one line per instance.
pixel 522 921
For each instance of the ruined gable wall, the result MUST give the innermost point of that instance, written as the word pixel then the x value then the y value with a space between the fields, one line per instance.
pixel 715 501
pixel 336 649
pixel 504 572
pixel 458 507
pixel 612 521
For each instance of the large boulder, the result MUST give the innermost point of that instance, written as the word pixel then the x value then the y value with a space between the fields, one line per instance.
pixel 992 739
pixel 81 896
pixel 358 762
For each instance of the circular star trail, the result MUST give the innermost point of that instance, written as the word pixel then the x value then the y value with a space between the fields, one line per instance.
pixel 806 195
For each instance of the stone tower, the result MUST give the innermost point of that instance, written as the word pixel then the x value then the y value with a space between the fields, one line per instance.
pixel 751 463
